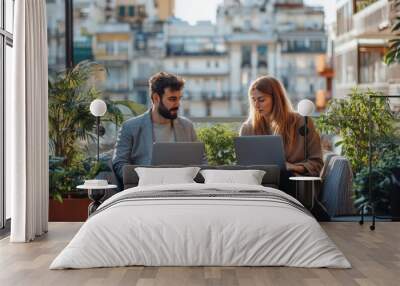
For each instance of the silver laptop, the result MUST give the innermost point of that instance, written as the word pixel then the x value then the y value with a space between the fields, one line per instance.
pixel 179 153
pixel 260 150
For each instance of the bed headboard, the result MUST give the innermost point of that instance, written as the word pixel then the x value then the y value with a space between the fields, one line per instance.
pixel 270 179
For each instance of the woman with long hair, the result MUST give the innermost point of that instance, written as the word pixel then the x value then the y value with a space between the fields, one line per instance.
pixel 271 113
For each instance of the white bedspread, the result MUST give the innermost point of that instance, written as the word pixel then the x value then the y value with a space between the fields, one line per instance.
pixel 184 231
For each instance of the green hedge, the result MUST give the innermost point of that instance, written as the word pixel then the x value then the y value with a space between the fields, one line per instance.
pixel 219 145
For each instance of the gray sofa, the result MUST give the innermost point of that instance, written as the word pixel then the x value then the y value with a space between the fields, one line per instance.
pixel 336 189
pixel 335 192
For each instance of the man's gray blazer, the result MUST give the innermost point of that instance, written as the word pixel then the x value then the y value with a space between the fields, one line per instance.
pixel 135 140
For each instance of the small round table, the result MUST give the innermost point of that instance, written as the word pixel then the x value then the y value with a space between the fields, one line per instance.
pixel 307 179
pixel 95 193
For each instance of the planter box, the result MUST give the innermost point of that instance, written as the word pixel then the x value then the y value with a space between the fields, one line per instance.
pixel 72 209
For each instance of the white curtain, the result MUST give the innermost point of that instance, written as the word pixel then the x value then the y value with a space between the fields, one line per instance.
pixel 27 124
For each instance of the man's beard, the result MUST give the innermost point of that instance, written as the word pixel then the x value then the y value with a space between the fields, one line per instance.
pixel 166 113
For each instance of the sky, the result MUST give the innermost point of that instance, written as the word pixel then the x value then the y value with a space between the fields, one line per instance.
pixel 197 10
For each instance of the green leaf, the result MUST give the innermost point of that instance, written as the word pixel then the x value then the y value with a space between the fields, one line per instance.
pixel 58 197
pixel 396 26
pixel 338 143
pixel 393 54
pixel 219 144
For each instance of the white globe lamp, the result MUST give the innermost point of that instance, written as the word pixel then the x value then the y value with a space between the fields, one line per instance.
pixel 98 108
pixel 305 108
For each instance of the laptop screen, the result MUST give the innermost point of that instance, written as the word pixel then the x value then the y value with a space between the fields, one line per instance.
pixel 260 150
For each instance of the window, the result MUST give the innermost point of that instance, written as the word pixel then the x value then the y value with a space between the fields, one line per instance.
pixel 131 11
pixel 6 44
pixel 56 35
pixel 346 67
pixel 142 11
pixel 247 25
pixel 121 47
pixel 371 67
pixel 246 56
pixel 316 45
pixel 141 42
pixel 142 97
pixel 121 11
pixel 109 48
pixel 262 56
pixel 339 69
pixel 300 44
pixel 344 19
pixel 285 82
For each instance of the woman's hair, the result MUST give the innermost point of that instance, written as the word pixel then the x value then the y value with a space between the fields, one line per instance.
pixel 282 117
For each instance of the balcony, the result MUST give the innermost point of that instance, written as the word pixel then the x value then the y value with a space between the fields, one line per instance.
pixel 362 4
pixel 324 66
pixel 304 50
pixel 118 88
pixel 373 19
pixel 141 82
pixel 119 58
pixel 239 36
pixel 183 53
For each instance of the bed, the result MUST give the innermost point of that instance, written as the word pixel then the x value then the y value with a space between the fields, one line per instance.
pixel 201 224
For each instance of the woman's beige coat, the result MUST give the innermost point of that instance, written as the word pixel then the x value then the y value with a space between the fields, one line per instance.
pixel 314 163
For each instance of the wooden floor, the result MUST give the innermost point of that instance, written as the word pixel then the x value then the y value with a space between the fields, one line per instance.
pixel 375 257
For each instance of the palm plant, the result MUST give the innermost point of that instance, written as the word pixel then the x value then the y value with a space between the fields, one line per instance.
pixel 69 116
pixel 70 121
pixel 70 95
pixel 393 53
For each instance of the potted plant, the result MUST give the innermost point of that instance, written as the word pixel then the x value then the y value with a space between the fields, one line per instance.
pixel 66 202
pixel 71 123
pixel 349 119
pixel 385 180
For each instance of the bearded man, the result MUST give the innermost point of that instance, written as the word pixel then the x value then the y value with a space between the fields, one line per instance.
pixel 161 123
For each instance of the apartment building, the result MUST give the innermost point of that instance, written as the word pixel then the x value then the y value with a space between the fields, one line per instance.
pixel 199 55
pixel 302 41
pixel 112 47
pixel 137 38
pixel 282 38
pixel 363 32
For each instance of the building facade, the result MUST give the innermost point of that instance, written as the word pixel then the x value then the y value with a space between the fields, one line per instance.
pixel 137 38
pixel 199 55
pixel 250 35
pixel 302 41
pixel 363 33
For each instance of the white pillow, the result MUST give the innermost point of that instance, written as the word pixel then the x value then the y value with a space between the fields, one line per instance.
pixel 164 176
pixel 249 177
